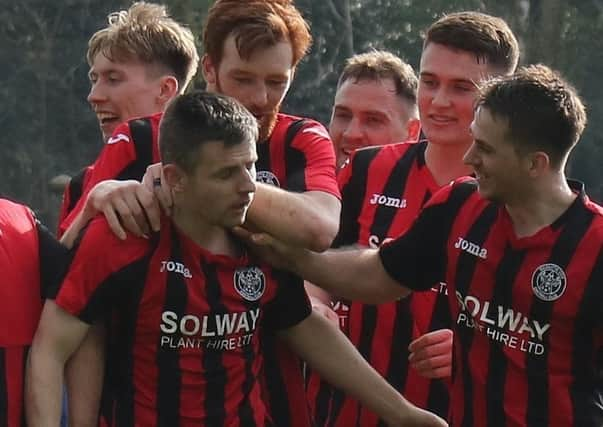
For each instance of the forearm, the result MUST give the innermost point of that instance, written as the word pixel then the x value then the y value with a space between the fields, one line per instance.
pixel 336 360
pixel 308 220
pixel 44 389
pixel 84 378
pixel 352 274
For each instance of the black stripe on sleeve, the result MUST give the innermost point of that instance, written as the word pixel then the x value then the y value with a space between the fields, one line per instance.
pixel 352 196
pixel 169 381
pixel 75 188
pixel 142 137
pixel 578 223
pixel 54 260
pixel 295 160
pixel 417 259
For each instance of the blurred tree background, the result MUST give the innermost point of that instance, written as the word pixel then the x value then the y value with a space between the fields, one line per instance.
pixel 48 128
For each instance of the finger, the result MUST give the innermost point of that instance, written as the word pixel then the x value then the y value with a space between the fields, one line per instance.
pixel 126 218
pixel 135 212
pixel 442 372
pixel 333 317
pixel 114 223
pixel 432 362
pixel 150 207
pixel 241 233
pixel 431 338
pixel 431 351
pixel 152 173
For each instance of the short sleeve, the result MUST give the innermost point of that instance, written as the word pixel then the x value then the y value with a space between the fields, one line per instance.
pixel 291 304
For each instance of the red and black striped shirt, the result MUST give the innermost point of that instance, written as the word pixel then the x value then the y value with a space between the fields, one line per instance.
pixel 187 347
pixel 30 262
pixel 126 155
pixel 383 189
pixel 528 330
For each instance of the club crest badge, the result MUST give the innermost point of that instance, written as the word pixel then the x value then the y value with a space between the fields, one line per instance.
pixel 549 282
pixel 267 177
pixel 250 283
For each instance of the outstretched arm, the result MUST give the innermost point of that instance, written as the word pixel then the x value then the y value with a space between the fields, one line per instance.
pixel 330 353
pixel 356 274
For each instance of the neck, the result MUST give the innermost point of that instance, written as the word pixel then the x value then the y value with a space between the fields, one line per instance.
pixel 445 162
pixel 213 238
pixel 540 207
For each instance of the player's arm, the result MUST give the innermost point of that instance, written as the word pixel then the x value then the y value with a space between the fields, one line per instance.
pixel 84 375
pixel 329 352
pixel 127 205
pixel 356 274
pixel 116 156
pixel 307 214
pixel 58 336
pixel 308 219
pixel 415 260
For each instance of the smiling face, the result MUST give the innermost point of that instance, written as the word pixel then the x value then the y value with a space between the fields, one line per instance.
pixel 447 93
pixel 501 172
pixel 260 83
pixel 121 91
pixel 367 112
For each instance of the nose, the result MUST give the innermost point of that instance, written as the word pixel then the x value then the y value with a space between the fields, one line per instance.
pixel 352 134
pixel 247 184
pixel 470 158
pixel 96 94
pixel 440 97
pixel 260 96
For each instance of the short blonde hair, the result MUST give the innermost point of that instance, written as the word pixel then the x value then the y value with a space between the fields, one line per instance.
pixel 147 33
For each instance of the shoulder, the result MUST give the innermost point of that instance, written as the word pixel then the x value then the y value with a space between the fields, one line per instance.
pixel 300 127
pixel 460 191
pixel 16 216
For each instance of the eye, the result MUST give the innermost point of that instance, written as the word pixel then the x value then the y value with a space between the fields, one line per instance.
pixel 342 115
pixel 225 173
pixel 242 80
pixel 373 120
pixel 277 83
pixel 464 88
pixel 428 82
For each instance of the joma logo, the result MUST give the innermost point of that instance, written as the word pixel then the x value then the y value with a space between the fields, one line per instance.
pixel 471 248
pixel 392 202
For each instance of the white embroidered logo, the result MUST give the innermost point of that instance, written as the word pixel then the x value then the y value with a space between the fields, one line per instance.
pixel 549 282
pixel 471 248
pixel 250 283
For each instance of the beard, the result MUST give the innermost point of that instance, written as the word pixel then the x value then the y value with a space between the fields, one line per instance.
pixel 266 119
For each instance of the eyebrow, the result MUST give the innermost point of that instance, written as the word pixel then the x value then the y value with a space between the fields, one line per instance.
pixel 456 80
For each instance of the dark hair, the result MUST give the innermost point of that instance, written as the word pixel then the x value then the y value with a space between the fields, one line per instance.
pixel 544 112
pixel 255 24
pixel 377 65
pixel 147 33
pixel 199 117
pixel 486 36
